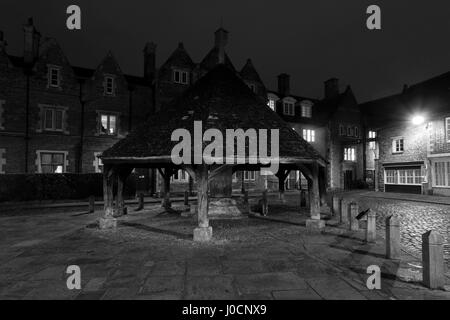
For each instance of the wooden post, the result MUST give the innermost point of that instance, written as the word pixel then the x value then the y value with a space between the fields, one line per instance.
pixel 281 175
pixel 392 238
pixel 91 204
pixel 166 174
pixel 204 231
pixel 264 204
pixel 140 202
pixel 433 260
pixel 108 220
pixel 242 182
pixel 120 204
pixel 371 231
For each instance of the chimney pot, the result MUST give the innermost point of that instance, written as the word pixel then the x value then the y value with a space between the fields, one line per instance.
pixel 331 88
pixel 220 41
pixel 31 42
pixel 149 61
pixel 284 84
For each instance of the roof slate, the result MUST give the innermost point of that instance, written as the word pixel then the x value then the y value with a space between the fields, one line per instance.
pixel 220 100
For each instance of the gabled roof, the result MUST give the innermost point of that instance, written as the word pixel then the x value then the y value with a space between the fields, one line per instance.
pixel 249 72
pixel 221 100
pixel 430 97
pixel 179 58
pixel 212 59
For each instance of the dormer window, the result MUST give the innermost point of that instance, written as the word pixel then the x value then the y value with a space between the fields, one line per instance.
pixel 288 108
pixel 271 104
pixel 180 76
pixel 54 76
pixel 109 85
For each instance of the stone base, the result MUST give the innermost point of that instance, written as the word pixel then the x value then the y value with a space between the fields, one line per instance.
pixel 315 224
pixel 227 208
pixel 203 234
pixel 107 223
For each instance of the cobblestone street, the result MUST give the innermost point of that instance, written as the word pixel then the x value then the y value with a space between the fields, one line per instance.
pixel 415 218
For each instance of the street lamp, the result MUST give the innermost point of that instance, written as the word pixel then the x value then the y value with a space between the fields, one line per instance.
pixel 418 119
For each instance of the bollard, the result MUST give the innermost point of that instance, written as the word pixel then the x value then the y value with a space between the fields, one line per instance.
pixel 186 198
pixel 141 202
pixel 371 231
pixel 264 204
pixel 344 211
pixel 91 204
pixel 336 205
pixel 392 238
pixel 433 260
pixel 352 213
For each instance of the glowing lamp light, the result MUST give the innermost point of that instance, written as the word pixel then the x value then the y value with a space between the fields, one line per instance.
pixel 416 120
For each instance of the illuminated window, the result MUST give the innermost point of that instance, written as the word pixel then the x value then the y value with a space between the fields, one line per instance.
pixel 372 134
pixel 97 163
pixel 447 128
pixel 180 176
pixel 309 135
pixel 372 145
pixel 349 154
pixel 51 161
pixel 403 176
pixel 271 104
pixel 108 124
pixel 306 111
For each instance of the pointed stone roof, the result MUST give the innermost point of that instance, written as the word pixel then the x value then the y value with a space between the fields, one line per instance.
pixel 180 58
pixel 220 100
pixel 249 72
pixel 212 59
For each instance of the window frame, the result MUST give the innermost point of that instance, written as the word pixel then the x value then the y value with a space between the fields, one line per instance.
pixel 113 85
pixel 306 111
pixel 50 76
pixel 108 115
pixel 288 104
pixel 39 154
pixel 401 177
pixel 394 145
pixel 249 175
pixel 309 135
pixel 54 110
pixel 446 172
pixel 180 73
pixel 350 154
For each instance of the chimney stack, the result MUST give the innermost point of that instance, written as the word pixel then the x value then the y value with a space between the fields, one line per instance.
pixel 284 84
pixel 220 41
pixel 31 42
pixel 149 61
pixel 331 88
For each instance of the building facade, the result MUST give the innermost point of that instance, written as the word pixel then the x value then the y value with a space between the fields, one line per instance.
pixel 412 138
pixel 56 117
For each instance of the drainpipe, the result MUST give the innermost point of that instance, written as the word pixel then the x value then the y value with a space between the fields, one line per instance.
pixel 80 147
pixel 130 108
pixel 27 117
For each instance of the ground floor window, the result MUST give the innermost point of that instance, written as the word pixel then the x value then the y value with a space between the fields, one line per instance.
pixel 403 176
pixel 51 161
pixel 180 176
pixel 249 175
pixel 441 174
pixel 349 154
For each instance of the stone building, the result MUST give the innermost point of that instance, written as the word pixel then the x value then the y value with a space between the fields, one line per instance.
pixel 411 145
pixel 56 117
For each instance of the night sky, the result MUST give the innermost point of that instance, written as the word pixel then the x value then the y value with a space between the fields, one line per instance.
pixel 310 40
